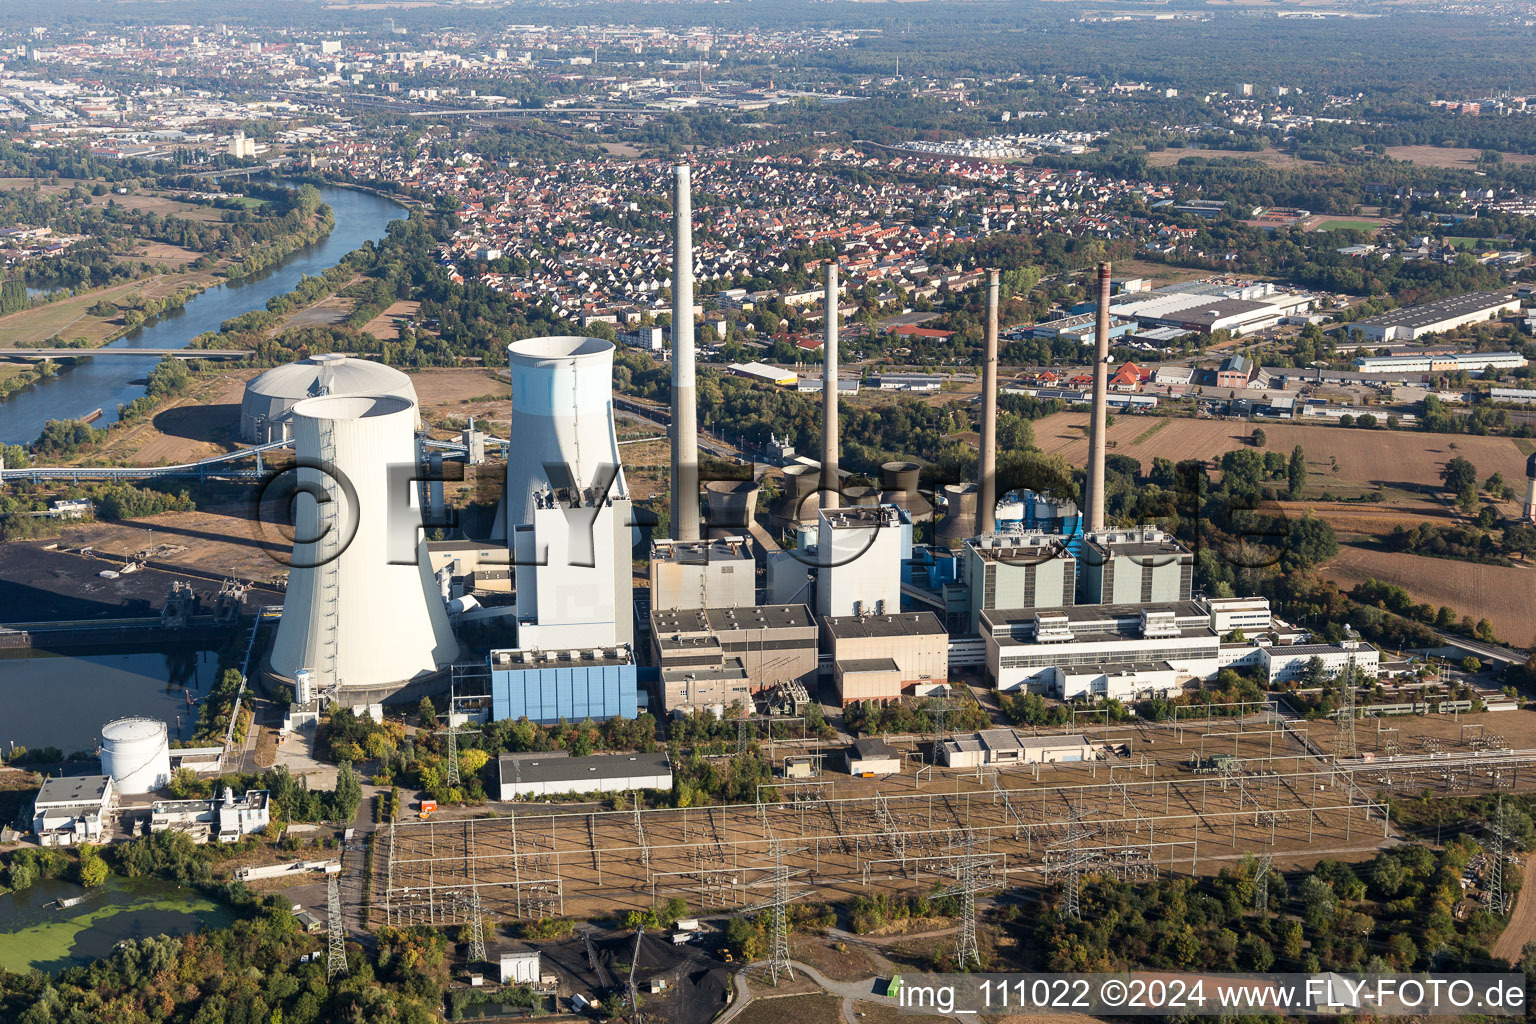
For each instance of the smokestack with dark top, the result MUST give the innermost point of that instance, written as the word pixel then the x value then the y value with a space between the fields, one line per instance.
pixel 986 501
pixel 1099 424
pixel 685 428
pixel 829 438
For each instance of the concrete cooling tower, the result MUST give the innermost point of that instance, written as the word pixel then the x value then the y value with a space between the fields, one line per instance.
pixel 562 415
pixel 266 410
pixel 137 754
pixel 570 538
pixel 356 621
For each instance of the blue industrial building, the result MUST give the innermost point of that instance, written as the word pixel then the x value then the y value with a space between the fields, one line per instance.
pixel 546 686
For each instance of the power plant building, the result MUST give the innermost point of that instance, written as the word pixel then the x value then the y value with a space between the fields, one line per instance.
pixel 771 645
pixel 1029 648
pixel 879 657
pixel 567 505
pixel 266 409
pixel 546 686
pixel 73 809
pixel 1018 570
pixel 859 551
pixel 361 612
pixel 718 573
pixel 1145 565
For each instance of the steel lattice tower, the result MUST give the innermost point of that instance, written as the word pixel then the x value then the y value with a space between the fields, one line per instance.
pixel 1261 883
pixel 1345 745
pixel 336 956
pixel 1493 891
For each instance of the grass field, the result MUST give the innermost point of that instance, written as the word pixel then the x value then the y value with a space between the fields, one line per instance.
pixel 1348 224
pixel 68 318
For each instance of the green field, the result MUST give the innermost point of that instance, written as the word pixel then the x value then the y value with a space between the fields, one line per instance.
pixel 1344 223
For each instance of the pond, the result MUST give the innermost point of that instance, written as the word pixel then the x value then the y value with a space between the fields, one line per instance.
pixel 34 934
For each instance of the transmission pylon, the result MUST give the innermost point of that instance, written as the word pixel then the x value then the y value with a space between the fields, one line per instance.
pixel 476 915
pixel 453 750
pixel 1493 889
pixel 1261 883
pixel 778 912
pixel 336 955
pixel 972 875
pixel 1344 746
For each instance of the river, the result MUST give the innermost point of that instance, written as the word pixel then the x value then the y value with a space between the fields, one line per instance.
pixel 107 381
pixel 33 935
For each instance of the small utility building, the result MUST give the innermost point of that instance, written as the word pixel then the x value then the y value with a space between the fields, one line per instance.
pixel 556 773
pixel 1002 748
pixel 873 756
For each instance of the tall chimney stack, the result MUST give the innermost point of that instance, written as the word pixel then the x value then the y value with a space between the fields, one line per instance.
pixel 1099 423
pixel 685 427
pixel 829 435
pixel 986 511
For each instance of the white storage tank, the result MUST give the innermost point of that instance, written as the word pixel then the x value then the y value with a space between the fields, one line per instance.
pixel 136 752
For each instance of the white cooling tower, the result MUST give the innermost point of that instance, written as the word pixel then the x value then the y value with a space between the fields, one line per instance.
pixel 562 415
pixel 352 618
pixel 266 410
pixel 136 752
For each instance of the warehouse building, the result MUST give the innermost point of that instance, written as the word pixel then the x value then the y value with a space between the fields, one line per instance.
pixel 1412 322
pixel 73 809
pixel 1004 748
pixel 877 657
pixel 556 773
pixel 545 686
pixel 1454 362
pixel 762 373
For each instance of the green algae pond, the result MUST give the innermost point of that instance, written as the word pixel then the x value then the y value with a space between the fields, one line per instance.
pixel 35 932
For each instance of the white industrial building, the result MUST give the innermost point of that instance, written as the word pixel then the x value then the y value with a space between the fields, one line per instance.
pixel 1208 308
pixel 1453 362
pixel 1413 322
pixel 362 613
pixel 1288 663
pixel 554 773
pixel 224 820
pixel 1098 683
pixel 567 507
pixel 73 809
pixel 1249 615
pixel 136 753
pixel 266 409
pixel 858 554
pixel 1029 649
pixel 1003 748
pixel 519 967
